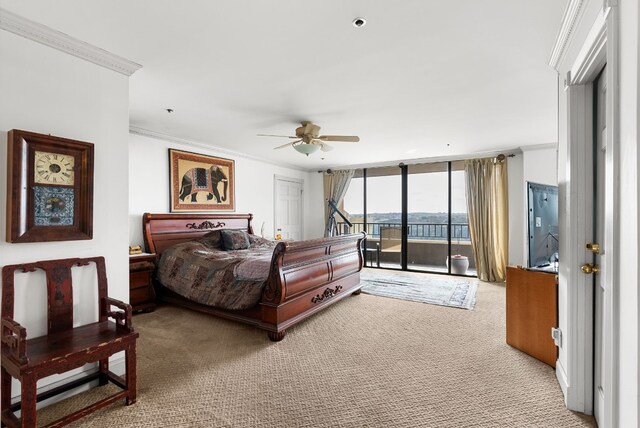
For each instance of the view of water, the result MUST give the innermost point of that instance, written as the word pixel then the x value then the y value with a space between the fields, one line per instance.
pixel 421 225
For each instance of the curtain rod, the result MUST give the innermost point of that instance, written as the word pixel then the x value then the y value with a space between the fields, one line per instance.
pixel 432 160
pixel 500 158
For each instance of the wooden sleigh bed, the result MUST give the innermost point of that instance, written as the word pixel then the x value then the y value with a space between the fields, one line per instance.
pixel 304 276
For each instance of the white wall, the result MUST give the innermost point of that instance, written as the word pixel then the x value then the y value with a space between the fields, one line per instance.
pixel 314 208
pixel 517 200
pixel 537 164
pixel 149 186
pixel 46 91
pixel 540 164
pixel 628 386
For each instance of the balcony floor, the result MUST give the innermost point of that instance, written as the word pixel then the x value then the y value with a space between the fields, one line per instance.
pixel 471 272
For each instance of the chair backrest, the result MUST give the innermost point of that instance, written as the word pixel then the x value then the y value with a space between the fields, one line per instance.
pixel 390 238
pixel 59 289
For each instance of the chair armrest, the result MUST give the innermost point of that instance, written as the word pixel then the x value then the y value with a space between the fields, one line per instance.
pixel 123 317
pixel 15 337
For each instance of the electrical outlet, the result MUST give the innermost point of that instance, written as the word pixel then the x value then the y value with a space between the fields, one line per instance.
pixel 556 335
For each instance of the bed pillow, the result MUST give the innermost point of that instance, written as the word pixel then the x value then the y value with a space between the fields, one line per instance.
pixel 256 241
pixel 234 239
pixel 212 239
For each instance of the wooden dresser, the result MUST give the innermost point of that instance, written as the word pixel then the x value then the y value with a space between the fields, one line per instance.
pixel 142 296
pixel 532 310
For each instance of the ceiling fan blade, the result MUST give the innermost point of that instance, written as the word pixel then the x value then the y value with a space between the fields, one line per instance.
pixel 325 147
pixel 271 135
pixel 286 145
pixel 347 138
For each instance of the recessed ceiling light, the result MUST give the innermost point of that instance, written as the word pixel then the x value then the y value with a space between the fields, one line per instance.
pixel 359 22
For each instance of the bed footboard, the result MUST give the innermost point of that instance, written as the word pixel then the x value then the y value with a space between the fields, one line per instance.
pixel 307 276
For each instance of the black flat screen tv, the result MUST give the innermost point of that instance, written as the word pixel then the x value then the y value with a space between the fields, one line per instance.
pixel 542 205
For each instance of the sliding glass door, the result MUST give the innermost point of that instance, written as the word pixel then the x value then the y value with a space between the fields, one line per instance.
pixel 383 215
pixel 428 217
pixel 415 217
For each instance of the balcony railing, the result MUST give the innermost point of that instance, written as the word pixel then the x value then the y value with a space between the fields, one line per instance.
pixel 435 231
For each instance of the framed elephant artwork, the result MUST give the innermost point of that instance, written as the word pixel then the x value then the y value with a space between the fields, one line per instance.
pixel 201 182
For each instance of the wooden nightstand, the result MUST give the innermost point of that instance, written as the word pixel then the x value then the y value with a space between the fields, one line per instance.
pixel 142 296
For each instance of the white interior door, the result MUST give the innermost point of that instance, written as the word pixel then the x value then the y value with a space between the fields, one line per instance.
pixel 288 209
pixel 601 294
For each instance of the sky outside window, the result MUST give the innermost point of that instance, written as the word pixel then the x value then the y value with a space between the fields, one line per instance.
pixel 427 193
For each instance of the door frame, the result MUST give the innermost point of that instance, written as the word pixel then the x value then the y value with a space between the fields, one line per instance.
pixel 600 47
pixel 300 181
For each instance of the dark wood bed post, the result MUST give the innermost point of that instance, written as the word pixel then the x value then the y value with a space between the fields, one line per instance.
pixel 272 293
pixel 304 277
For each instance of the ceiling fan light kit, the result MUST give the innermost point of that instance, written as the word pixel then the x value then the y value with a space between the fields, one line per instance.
pixel 306 149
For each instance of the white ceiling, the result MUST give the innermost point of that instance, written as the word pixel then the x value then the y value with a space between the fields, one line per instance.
pixel 422 79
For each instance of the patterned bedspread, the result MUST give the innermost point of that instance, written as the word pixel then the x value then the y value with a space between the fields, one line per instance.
pixel 214 277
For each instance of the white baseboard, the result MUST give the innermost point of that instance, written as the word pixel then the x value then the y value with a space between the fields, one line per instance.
pixel 116 365
pixel 561 375
pixel 573 398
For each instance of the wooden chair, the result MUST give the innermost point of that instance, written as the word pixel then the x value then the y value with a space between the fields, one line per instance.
pixel 390 240
pixel 65 347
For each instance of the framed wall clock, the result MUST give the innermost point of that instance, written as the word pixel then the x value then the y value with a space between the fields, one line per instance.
pixel 49 188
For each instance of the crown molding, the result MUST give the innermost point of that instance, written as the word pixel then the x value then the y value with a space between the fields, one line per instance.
pixel 571 14
pixel 136 130
pixel 593 55
pixel 47 36
pixel 534 147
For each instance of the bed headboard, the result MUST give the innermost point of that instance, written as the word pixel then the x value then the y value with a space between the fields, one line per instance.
pixel 164 230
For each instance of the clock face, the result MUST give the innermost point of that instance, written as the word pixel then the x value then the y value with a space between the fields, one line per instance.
pixel 54 168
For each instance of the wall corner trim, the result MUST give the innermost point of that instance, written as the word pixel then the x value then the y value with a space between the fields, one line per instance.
pixel 571 14
pixel 47 36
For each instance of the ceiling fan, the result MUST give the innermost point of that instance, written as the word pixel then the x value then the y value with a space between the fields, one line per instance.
pixel 309 140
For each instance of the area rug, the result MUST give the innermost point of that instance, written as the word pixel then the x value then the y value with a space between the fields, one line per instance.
pixel 420 287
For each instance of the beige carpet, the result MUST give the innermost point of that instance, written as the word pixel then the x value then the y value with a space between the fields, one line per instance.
pixel 367 361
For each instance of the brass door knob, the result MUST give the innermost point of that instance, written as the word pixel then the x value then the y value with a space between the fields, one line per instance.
pixel 593 247
pixel 589 268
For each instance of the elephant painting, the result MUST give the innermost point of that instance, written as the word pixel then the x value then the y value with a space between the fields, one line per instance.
pixel 204 180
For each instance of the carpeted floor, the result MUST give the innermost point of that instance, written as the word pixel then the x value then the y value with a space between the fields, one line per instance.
pixel 443 290
pixel 365 362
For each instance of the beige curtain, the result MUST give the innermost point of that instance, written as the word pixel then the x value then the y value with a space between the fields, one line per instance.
pixel 336 184
pixel 487 204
